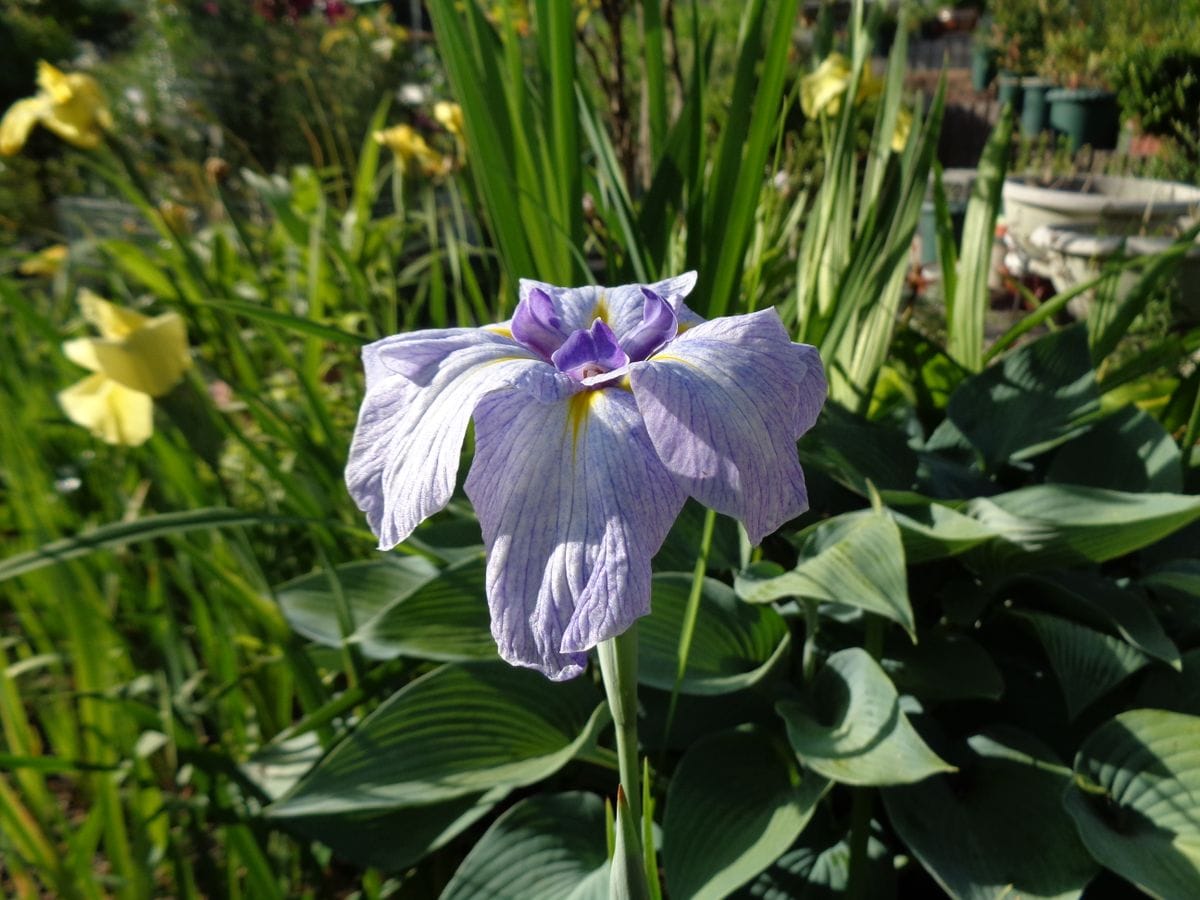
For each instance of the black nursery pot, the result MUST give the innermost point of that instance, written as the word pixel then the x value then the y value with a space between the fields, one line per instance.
pixel 1085 116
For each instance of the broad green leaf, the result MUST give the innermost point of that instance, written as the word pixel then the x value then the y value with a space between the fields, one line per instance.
pixel 310 603
pixel 737 801
pixel 856 559
pixel 997 828
pixel 1103 603
pixel 1134 799
pixel 733 646
pixel 276 767
pixel 543 848
pixel 458 730
pixel 1181 577
pixel 444 618
pixel 678 553
pixel 1128 451
pixel 394 839
pixel 818 867
pixel 854 731
pixel 1177 691
pixel 1050 525
pixel 1038 397
pixel 855 451
pixel 936 532
pixel 1087 663
pixel 944 666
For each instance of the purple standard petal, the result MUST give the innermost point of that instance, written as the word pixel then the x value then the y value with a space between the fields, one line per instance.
pixel 574 502
pixel 657 327
pixel 724 404
pixel 421 388
pixel 575 308
pixel 536 324
pixel 585 355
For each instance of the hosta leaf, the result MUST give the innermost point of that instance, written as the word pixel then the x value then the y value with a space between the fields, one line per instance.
pixel 543 848
pixel 996 829
pixel 1051 525
pixel 1103 603
pixel 1039 396
pixel 310 604
pixel 856 559
pixel 1139 455
pixel 458 730
pixel 734 644
pixel 396 838
pixel 818 868
pixel 944 666
pixel 854 732
pixel 445 618
pixel 737 801
pixel 1177 691
pixel 1087 663
pixel 936 532
pixel 1136 799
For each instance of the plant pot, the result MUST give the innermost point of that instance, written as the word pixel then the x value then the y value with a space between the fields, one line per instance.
pixel 1085 116
pixel 957 184
pixel 1123 205
pixel 1077 253
pixel 1035 111
pixel 983 66
pixel 1008 90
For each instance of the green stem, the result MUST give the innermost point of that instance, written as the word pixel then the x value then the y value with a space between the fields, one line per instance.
pixel 691 613
pixel 618 667
pixel 862 798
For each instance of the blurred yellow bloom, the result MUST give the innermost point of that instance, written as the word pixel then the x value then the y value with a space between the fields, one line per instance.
pixel 45 263
pixel 134 359
pixel 411 150
pixel 822 90
pixel 904 120
pixel 450 116
pixel 72 106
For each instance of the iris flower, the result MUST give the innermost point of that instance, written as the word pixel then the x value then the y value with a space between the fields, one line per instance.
pixel 597 412
pixel 135 359
pixel 72 106
pixel 449 116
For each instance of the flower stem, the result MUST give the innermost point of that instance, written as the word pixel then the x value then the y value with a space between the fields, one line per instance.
pixel 618 667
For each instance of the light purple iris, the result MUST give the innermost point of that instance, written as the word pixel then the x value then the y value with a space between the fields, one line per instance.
pixel 597 412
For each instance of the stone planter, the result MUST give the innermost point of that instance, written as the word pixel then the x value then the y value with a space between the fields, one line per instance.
pixel 1076 253
pixel 1085 116
pixel 1123 205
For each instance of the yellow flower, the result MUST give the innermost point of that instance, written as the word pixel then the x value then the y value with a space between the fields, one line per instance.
pixel 450 115
pixel 45 262
pixel 72 106
pixel 135 359
pixel 412 150
pixel 902 130
pixel 822 90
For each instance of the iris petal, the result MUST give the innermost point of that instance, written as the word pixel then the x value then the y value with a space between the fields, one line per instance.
pixel 723 404
pixel 421 389
pixel 112 412
pixel 574 502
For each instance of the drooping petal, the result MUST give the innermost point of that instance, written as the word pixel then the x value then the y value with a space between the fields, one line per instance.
pixel 723 404
pixel 150 359
pixel 421 388
pixel 574 502
pixel 822 90
pixel 18 121
pixel 81 116
pixel 110 411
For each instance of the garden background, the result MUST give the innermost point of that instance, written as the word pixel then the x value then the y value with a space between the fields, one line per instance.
pixel 973 667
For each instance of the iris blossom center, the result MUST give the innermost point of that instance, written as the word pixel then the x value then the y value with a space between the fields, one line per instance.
pixel 597 355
